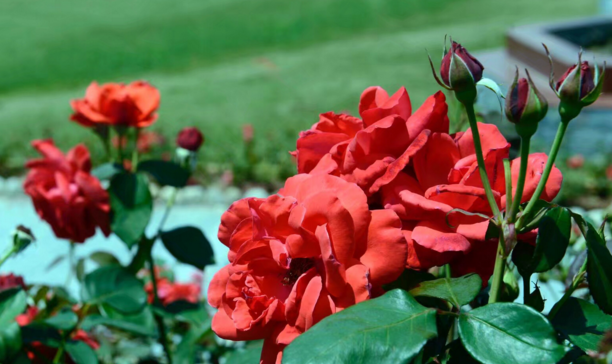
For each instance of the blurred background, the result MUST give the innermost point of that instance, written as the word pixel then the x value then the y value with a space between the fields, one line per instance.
pixel 273 65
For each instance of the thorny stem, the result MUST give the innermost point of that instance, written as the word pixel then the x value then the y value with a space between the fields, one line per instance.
pixel 549 164
pixel 520 185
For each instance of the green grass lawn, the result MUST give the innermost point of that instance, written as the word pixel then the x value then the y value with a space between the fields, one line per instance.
pixel 220 64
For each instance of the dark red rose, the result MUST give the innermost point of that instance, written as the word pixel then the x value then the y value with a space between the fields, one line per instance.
pixel 525 106
pixel 116 104
pixel 65 194
pixel 190 138
pixel 8 281
pixel 577 82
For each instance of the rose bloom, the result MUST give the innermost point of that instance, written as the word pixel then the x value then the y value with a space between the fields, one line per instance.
pixel 409 163
pixel 300 256
pixel 65 194
pixel 170 292
pixel 117 104
pixel 8 281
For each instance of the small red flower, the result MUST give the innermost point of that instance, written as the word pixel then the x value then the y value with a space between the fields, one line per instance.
pixel 26 318
pixel 8 281
pixel 190 138
pixel 247 133
pixel 65 194
pixel 575 162
pixel 117 104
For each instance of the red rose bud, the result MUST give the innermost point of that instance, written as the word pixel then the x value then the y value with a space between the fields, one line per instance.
pixel 460 67
pixel 578 87
pixel 577 83
pixel 190 138
pixel 525 106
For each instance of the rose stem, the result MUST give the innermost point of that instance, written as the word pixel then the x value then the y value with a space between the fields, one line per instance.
pixel 469 108
pixel 71 268
pixel 135 151
pixel 549 164
pixel 498 272
pixel 568 293
pixel 508 177
pixel 7 255
pixel 526 287
pixel 161 326
pixel 520 185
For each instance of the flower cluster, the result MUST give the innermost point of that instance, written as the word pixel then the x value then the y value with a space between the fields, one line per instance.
pixel 409 163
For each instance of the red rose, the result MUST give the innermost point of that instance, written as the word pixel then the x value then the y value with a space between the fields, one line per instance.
pixel 8 281
pixel 65 194
pixel 116 104
pixel 411 165
pixel 300 256
pixel 370 153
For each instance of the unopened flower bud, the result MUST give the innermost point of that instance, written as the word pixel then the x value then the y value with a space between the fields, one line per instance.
pixel 460 72
pixel 459 68
pixel 525 106
pixel 22 238
pixel 190 138
pixel 578 87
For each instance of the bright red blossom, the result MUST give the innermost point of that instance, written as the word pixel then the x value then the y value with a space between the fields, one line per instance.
pixel 409 163
pixel 8 281
pixel 300 256
pixel 117 104
pixel 65 194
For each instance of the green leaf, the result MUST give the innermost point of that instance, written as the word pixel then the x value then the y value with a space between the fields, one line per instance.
pixel 514 332
pixel 189 245
pixel 107 171
pixel 458 291
pixel 64 320
pixel 582 323
pixel 599 270
pixel 409 279
pixel 104 258
pixel 12 303
pixel 80 269
pixel 165 173
pixel 131 204
pixel 553 238
pixel 115 286
pixel 80 352
pixel 535 300
pixel 142 323
pixel 389 329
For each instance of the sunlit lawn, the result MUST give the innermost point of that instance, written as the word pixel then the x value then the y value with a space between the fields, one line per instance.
pixel 223 63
